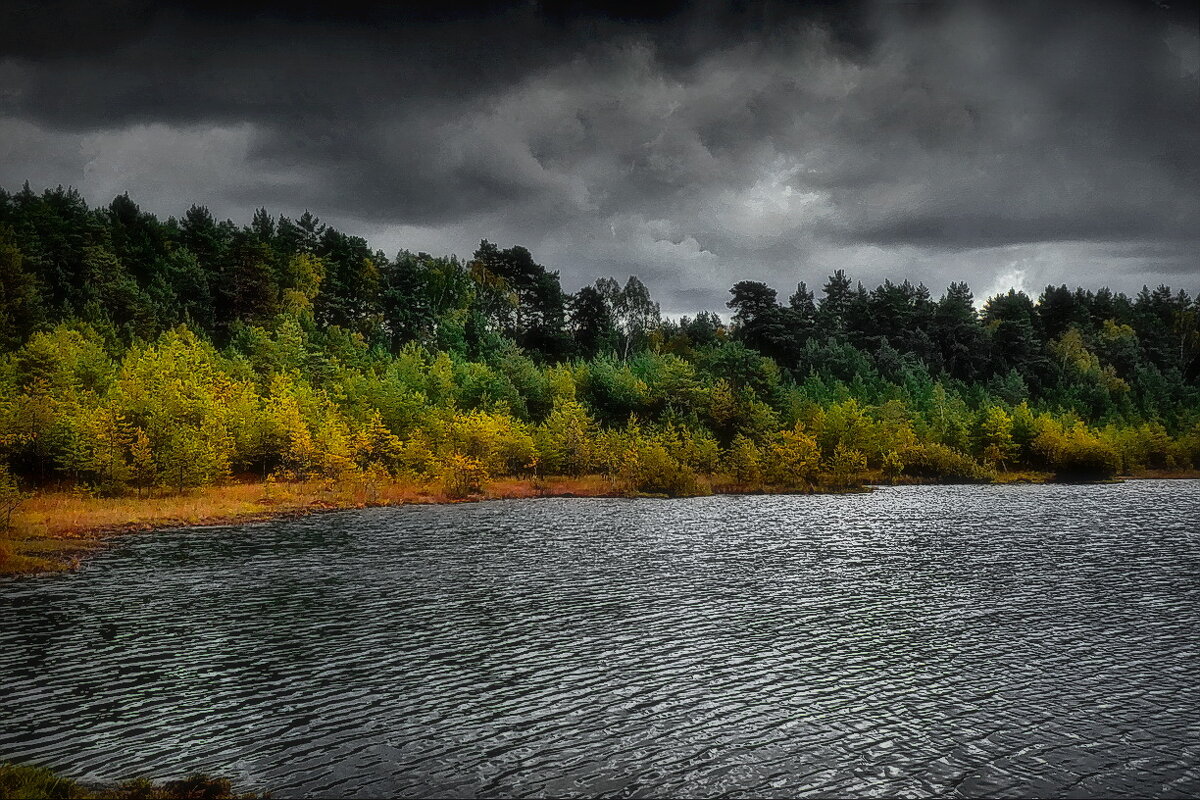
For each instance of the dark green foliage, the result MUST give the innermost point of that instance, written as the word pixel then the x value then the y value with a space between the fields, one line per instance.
pixel 21 311
pixel 592 323
pixel 762 323
pixel 522 300
pixel 834 310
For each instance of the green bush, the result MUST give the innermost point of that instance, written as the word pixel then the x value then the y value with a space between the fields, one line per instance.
pixel 845 466
pixel 1088 458
pixel 936 460
pixel 461 476
pixel 650 468
pixel 791 459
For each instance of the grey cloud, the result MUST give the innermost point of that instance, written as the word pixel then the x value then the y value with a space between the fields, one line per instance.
pixel 694 145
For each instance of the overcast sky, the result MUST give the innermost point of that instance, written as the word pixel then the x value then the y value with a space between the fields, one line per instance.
pixel 694 145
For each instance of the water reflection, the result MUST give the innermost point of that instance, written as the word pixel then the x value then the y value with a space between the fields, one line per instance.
pixel 950 641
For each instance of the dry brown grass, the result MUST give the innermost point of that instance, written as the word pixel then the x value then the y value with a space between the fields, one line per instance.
pixel 556 486
pixel 53 530
pixel 1148 474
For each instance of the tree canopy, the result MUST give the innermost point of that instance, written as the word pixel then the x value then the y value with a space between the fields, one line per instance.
pixel 138 352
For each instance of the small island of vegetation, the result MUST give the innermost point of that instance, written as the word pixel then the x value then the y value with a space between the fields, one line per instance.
pixel 22 782
pixel 189 371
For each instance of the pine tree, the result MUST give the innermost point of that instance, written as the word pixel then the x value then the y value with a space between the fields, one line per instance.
pixel 143 469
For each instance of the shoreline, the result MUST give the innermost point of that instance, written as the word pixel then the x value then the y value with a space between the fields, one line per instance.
pixel 55 530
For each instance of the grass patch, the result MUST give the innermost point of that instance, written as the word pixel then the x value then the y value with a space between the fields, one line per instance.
pixel 35 783
pixel 22 782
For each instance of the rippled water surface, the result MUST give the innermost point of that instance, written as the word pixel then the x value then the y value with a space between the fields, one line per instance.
pixel 919 641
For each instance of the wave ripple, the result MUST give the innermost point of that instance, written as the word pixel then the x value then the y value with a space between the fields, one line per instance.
pixel 916 642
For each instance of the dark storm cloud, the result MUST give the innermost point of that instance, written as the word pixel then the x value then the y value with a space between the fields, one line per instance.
pixel 693 144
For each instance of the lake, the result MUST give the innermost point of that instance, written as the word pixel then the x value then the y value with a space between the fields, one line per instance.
pixel 968 641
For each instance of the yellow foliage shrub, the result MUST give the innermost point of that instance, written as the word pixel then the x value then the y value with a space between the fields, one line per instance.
pixel 648 467
pixel 791 459
pixel 845 466
pixel 936 460
pixel 744 460
pixel 565 441
pixel 461 476
pixel 501 444
pixel 1087 456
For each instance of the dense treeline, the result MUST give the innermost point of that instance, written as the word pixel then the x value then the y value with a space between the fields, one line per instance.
pixel 141 353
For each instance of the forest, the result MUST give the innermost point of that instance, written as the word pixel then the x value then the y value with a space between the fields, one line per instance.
pixel 141 356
